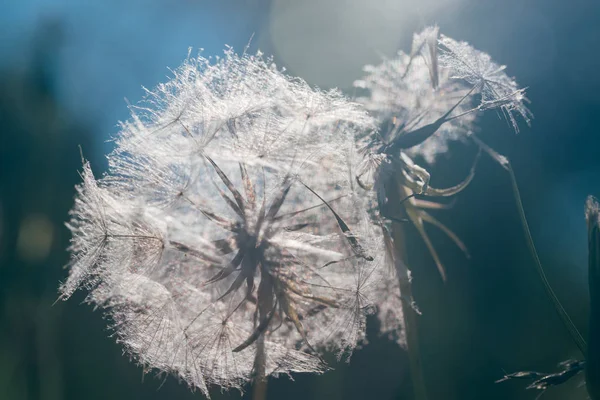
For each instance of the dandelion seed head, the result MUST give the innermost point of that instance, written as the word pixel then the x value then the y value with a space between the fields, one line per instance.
pixel 411 91
pixel 438 88
pixel 227 241
pixel 496 88
pixel 423 100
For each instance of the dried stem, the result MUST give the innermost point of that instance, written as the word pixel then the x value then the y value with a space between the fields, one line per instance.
pixel 562 313
pixel 396 193
pixel 260 389
pixel 592 370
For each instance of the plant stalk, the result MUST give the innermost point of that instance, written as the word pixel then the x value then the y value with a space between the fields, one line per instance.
pixel 259 391
pixel 560 310
pixel 564 316
pixel 396 193
pixel 592 365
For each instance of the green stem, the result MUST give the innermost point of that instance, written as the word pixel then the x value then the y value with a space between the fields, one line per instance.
pixel 566 320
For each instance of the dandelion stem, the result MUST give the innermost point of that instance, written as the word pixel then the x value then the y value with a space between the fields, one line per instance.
pixel 396 193
pixel 412 341
pixel 260 390
pixel 560 310
pixel 562 313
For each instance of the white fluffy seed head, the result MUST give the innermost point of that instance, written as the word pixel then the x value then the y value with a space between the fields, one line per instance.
pixel 440 80
pixel 227 240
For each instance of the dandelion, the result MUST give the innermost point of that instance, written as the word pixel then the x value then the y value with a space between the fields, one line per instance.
pixel 423 100
pixel 410 94
pixel 227 241
pixel 248 222
pixel 496 88
pixel 430 97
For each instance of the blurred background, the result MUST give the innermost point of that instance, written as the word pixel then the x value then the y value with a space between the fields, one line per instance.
pixel 66 67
